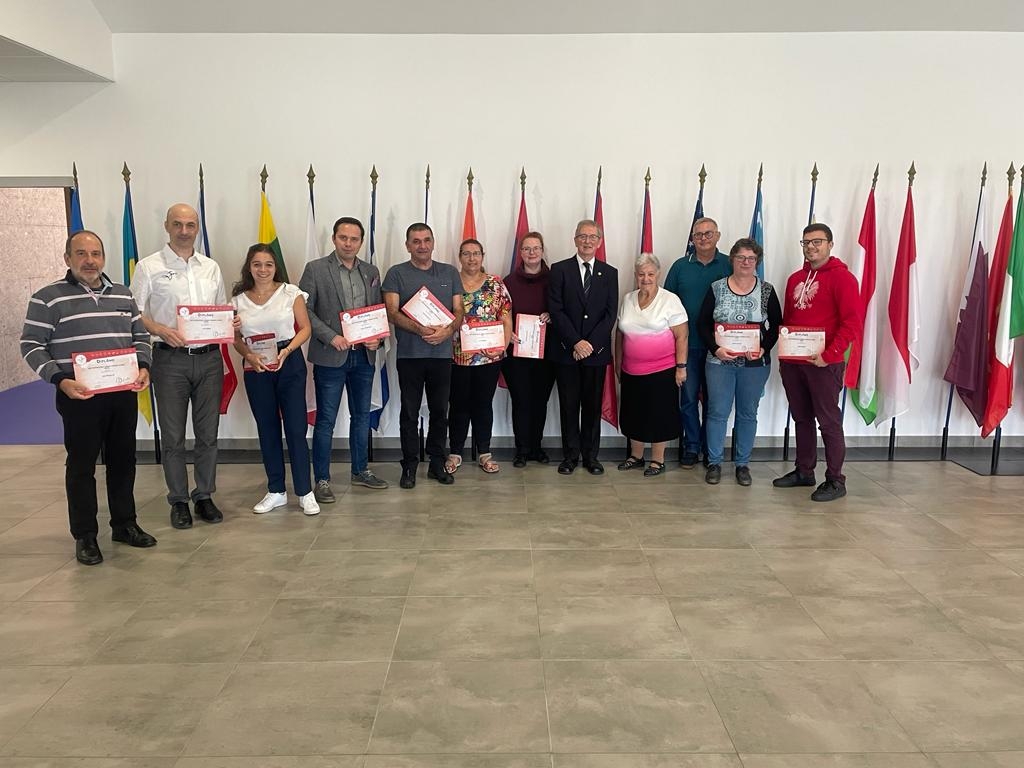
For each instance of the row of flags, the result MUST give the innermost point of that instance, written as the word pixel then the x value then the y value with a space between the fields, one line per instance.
pixel 991 315
pixel 880 368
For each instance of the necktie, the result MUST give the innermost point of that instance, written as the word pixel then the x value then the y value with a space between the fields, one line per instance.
pixel 587 278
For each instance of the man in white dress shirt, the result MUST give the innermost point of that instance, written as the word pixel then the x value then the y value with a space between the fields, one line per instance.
pixel 183 373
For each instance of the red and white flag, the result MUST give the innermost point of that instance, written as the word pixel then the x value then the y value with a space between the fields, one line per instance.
pixel 1000 287
pixel 609 397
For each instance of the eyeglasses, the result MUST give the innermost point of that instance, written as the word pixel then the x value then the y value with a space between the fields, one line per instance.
pixel 590 238
pixel 704 235
pixel 469 254
pixel 532 249
pixel 816 242
pixel 751 257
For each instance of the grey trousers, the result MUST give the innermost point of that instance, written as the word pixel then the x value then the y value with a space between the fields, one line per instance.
pixel 179 379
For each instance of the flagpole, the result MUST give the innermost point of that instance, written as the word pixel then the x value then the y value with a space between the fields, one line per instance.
pixel 949 399
pixel 998 438
pixel 426 211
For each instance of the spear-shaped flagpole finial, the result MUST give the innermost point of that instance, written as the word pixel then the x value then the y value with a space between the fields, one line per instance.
pixel 984 173
pixel 469 179
pixel 522 179
pixel 74 174
pixel 874 179
pixel 427 180
pixel 600 171
pixel 814 174
pixel 200 175
pixel 374 176
pixel 263 178
pixel 126 174
pixel 647 177
pixel 760 174
pixel 311 175
pixel 911 173
pixel 702 175
pixel 1010 174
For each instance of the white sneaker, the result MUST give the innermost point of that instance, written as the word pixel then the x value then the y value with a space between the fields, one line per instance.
pixel 271 501
pixel 309 505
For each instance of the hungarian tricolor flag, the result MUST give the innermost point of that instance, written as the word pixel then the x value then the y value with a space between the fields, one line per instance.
pixel 968 365
pixel 899 359
pixel 861 372
pixel 609 398
pixel 1004 270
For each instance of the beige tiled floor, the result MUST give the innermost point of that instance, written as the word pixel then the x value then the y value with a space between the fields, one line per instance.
pixel 523 620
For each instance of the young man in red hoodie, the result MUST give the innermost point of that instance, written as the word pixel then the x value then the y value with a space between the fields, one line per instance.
pixel 823 294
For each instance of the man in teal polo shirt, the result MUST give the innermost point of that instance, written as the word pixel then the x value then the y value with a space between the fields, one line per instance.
pixel 690 278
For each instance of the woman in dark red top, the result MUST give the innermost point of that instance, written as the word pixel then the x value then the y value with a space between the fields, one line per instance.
pixel 529 380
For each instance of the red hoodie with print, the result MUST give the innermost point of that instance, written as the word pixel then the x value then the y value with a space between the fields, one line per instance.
pixel 826 297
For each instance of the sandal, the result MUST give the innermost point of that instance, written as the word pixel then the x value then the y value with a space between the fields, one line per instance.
pixel 631 463
pixel 452 465
pixel 655 468
pixel 487 464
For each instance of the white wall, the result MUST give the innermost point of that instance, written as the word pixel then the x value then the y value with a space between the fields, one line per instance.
pixel 561 105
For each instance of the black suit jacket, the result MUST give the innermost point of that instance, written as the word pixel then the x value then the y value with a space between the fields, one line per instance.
pixel 575 317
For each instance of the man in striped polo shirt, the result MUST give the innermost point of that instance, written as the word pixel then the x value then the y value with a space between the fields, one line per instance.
pixel 82 313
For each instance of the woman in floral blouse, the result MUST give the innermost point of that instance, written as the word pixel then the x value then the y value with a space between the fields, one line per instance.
pixel 475 374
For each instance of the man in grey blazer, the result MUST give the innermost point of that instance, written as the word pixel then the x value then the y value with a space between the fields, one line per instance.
pixel 341 281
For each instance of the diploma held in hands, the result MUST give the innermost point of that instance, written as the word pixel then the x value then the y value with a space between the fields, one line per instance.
pixel 365 324
pixel 800 342
pixel 530 332
pixel 482 336
pixel 206 324
pixel 739 338
pixel 110 370
pixel 425 309
pixel 264 346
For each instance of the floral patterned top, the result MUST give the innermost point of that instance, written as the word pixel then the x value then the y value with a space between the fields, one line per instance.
pixel 489 302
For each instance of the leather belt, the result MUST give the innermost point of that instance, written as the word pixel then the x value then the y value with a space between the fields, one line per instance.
pixel 185 350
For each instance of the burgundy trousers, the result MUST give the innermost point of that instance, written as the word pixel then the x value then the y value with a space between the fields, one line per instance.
pixel 813 395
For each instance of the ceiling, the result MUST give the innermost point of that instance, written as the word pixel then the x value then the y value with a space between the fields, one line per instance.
pixel 20 64
pixel 557 16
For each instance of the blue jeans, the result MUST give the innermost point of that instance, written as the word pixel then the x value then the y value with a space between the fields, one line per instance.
pixel 277 396
pixel 694 437
pixel 726 384
pixel 358 373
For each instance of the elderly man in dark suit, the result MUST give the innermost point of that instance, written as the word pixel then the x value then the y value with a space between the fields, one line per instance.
pixel 341 281
pixel 583 297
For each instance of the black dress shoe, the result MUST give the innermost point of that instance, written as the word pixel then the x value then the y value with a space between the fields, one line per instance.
pixel 87 551
pixel 541 458
pixel 519 460
pixel 793 480
pixel 594 467
pixel 567 467
pixel 408 478
pixel 688 460
pixel 207 511
pixel 133 536
pixel 180 516
pixel 436 472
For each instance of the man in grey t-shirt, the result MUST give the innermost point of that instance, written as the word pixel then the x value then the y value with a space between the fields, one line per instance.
pixel 424 351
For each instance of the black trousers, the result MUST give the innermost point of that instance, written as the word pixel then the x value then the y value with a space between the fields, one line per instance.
pixel 579 392
pixel 416 374
pixel 472 400
pixel 108 421
pixel 529 387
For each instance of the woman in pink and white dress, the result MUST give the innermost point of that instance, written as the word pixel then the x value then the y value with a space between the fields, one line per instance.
pixel 651 358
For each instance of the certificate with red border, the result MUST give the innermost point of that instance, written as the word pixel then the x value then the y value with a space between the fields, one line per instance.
pixel 800 342
pixel 365 324
pixel 482 336
pixel 265 346
pixel 109 370
pixel 206 323
pixel 425 309
pixel 738 337
pixel 530 333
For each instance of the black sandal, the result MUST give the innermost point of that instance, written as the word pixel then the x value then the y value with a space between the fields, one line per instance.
pixel 631 463
pixel 655 469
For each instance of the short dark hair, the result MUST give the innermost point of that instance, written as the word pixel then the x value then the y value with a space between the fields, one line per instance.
pixel 819 228
pixel 417 227
pixel 349 220
pixel 248 282
pixel 73 235
pixel 749 244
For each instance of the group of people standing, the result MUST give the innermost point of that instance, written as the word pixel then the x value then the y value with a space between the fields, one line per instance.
pixel 676 381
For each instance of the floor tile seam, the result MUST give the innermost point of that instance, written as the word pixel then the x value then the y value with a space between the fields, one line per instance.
pixel 10 737
pixel 716 705
pixel 544 683
pixel 387 674
pixel 878 701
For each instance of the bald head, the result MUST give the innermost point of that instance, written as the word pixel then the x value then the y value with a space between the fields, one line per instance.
pixel 182 225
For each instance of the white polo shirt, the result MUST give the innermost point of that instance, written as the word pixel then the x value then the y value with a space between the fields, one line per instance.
pixel 164 280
